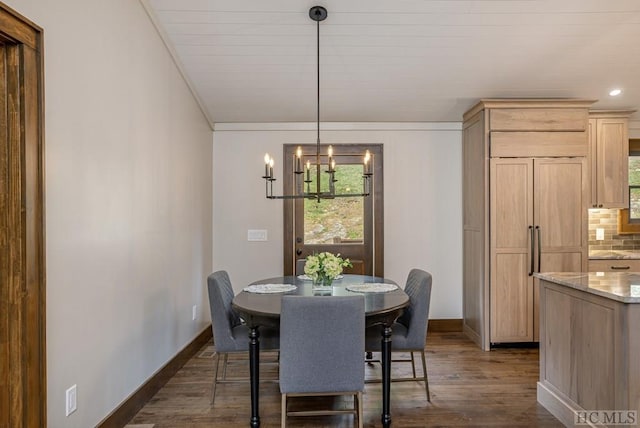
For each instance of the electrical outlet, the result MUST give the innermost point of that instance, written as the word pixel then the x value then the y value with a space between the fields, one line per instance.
pixel 194 312
pixel 71 400
pixel 599 234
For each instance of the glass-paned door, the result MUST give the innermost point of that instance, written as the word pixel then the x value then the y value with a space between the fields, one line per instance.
pixel 343 225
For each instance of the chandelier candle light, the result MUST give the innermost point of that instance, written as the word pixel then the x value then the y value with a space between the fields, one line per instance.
pixel 316 13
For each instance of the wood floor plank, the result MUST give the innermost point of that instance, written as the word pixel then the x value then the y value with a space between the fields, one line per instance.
pixel 469 388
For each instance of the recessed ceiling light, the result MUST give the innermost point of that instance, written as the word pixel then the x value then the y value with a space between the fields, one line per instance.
pixel 615 92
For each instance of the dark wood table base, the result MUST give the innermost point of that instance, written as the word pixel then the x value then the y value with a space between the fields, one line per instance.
pixel 386 376
pixel 254 370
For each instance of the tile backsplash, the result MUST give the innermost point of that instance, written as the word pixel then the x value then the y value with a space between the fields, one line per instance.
pixel 608 221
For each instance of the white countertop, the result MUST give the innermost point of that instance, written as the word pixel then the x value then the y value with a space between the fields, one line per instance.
pixel 621 286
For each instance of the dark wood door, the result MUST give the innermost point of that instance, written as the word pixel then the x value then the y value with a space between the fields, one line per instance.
pixel 341 225
pixel 22 293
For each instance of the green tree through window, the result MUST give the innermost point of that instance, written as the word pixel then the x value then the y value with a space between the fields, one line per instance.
pixel 340 218
pixel 634 187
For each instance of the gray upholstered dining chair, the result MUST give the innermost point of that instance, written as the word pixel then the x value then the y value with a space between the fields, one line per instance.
pixel 300 266
pixel 409 332
pixel 230 335
pixel 321 347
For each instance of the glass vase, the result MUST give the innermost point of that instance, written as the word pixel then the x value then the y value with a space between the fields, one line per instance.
pixel 322 282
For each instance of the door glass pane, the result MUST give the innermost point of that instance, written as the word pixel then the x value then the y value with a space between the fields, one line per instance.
pixel 634 170
pixel 634 191
pixel 336 220
pixel 634 204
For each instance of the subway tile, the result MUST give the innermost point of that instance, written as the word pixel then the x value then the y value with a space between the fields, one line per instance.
pixel 622 247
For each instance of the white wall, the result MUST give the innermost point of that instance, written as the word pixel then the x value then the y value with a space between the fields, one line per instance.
pixel 128 204
pixel 422 200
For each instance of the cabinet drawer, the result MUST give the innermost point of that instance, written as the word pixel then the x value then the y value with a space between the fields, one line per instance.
pixel 617 265
pixel 538 119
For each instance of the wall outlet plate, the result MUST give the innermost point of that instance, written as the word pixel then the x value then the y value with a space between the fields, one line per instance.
pixel 599 234
pixel 256 235
pixel 71 400
pixel 194 312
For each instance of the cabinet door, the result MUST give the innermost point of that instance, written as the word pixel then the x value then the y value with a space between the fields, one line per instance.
pixel 560 217
pixel 538 224
pixel 511 257
pixel 560 214
pixel 612 167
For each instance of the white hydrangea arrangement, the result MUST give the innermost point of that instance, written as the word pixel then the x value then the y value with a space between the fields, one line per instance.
pixel 324 267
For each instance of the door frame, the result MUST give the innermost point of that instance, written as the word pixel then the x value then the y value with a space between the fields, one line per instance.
pixel 377 193
pixel 23 396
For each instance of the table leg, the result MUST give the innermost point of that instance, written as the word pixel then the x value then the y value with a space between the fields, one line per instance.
pixel 386 375
pixel 254 371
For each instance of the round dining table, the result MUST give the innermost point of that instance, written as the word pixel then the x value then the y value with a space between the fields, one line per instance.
pixel 263 309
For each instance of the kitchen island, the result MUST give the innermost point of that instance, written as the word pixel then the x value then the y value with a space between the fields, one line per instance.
pixel 590 346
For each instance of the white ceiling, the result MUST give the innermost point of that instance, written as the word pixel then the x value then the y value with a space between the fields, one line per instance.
pixel 399 60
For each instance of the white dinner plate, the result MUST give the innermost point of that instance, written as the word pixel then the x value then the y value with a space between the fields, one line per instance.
pixel 270 288
pixel 372 287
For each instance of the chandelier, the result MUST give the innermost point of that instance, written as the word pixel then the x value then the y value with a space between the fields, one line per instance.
pixel 302 173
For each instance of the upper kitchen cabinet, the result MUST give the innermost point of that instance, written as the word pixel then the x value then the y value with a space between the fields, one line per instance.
pixel 525 200
pixel 609 154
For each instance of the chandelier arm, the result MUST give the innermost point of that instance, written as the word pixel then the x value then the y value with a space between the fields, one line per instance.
pixel 324 195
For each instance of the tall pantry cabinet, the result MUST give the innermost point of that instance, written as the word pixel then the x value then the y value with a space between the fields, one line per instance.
pixel 525 200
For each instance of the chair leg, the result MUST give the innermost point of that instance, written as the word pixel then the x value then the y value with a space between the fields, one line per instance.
pixel 283 418
pixel 426 378
pixel 224 367
pixel 413 365
pixel 215 379
pixel 358 402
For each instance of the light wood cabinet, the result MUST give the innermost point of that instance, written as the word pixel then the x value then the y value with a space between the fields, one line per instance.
pixel 475 180
pixel 511 255
pixel 539 117
pixel 614 265
pixel 609 158
pixel 525 200
pixel 534 206
pixel 589 353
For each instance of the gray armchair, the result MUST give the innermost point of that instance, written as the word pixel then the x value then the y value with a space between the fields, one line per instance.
pixel 229 334
pixel 300 266
pixel 321 347
pixel 409 332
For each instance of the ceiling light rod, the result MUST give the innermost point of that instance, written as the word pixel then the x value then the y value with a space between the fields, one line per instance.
pixel 316 13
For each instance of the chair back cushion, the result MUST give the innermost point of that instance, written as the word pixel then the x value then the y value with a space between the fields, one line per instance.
pixel 416 316
pixel 321 344
pixel 223 317
pixel 300 266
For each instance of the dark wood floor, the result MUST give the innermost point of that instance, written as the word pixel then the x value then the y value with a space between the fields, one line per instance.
pixel 469 388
